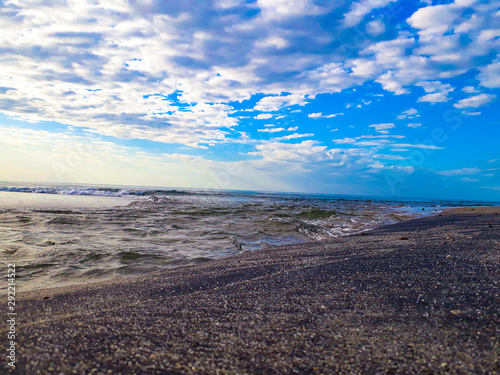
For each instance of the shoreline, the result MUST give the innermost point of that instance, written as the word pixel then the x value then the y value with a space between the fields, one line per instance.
pixel 495 210
pixel 130 278
pixel 469 210
pixel 64 239
pixel 417 296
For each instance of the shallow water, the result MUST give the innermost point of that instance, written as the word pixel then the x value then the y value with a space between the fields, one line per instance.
pixel 154 229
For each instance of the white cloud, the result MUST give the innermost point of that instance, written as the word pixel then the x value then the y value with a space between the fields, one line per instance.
pixel 294 136
pixel 271 130
pixel 273 41
pixel 360 9
pixel 470 90
pixel 490 75
pixel 390 157
pixel 306 151
pixel 275 103
pixel 409 169
pixel 436 20
pixel 385 141
pixel 64 156
pixel 375 28
pixel 438 97
pixel 332 77
pixel 282 9
pixel 409 114
pixel 263 116
pixel 437 91
pixel 433 20
pixel 442 29
pixel 344 141
pixel 320 115
pixel 292 128
pixel 382 128
pixel 475 101
pixel 460 172
pixel 422 146
pixel 226 4
pixel 415 125
pixel 167 77
pixel 468 113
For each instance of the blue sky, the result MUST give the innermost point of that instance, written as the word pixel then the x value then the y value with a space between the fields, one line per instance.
pixel 377 97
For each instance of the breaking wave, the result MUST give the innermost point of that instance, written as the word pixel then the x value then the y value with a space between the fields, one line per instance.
pixel 104 192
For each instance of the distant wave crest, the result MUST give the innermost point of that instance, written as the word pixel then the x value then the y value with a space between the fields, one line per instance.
pixel 66 191
pixel 105 192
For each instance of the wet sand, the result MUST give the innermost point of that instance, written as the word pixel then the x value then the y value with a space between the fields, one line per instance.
pixel 494 210
pixel 415 297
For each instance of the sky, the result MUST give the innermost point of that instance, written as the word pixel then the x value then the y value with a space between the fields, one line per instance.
pixel 370 97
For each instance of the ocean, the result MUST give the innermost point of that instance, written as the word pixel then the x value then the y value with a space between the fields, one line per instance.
pixel 141 230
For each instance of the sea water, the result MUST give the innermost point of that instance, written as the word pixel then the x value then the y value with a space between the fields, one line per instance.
pixel 141 230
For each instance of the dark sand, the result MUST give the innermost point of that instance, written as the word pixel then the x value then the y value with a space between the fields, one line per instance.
pixel 473 210
pixel 415 297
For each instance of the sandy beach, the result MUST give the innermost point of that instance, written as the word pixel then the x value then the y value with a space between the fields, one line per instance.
pixel 415 297
pixel 494 210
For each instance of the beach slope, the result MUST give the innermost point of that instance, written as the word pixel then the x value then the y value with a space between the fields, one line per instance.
pixel 416 297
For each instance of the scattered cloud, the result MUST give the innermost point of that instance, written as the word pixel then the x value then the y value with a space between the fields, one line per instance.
pixel 475 101
pixel 385 141
pixel 390 157
pixel 320 115
pixel 490 74
pixel 375 28
pixel 360 9
pixel 294 136
pixel 344 141
pixel 306 151
pixel 263 116
pixel 275 103
pixel 271 130
pixel 287 9
pixel 421 146
pixel 437 91
pixel 468 113
pixel 408 114
pixel 408 169
pixel 274 42
pixel 470 90
pixel 460 172
pixel 179 75
pixel 383 128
